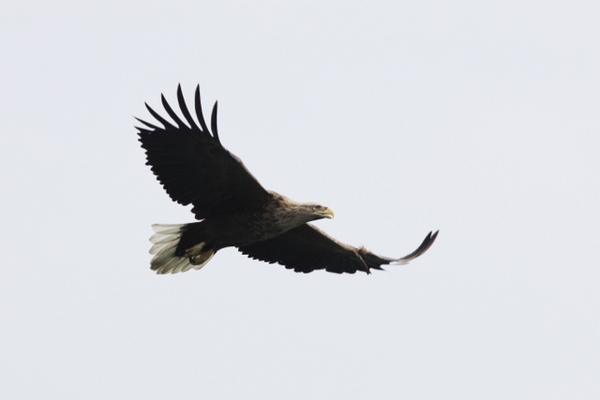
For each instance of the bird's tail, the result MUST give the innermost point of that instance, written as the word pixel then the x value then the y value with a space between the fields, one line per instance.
pixel 165 241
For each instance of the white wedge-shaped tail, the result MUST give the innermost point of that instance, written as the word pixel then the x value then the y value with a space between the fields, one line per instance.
pixel 164 243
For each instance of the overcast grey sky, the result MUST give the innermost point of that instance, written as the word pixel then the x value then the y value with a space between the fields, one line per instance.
pixel 481 119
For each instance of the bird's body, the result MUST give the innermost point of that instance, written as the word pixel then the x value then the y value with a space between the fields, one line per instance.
pixel 233 208
pixel 241 229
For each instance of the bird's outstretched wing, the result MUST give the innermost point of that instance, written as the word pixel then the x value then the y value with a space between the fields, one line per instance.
pixel 192 165
pixel 307 248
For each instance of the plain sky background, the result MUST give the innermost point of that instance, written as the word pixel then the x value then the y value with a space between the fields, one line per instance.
pixel 481 119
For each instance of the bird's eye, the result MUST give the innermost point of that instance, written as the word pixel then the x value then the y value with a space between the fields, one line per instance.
pixel 317 208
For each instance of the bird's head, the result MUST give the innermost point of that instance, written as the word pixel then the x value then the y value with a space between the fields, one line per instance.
pixel 318 211
pixel 292 213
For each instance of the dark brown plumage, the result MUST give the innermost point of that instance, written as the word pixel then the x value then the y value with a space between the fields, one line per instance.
pixel 233 208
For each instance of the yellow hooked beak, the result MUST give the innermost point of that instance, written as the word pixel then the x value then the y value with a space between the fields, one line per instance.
pixel 328 213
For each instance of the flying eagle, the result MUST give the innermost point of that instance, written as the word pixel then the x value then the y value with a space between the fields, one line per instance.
pixel 233 208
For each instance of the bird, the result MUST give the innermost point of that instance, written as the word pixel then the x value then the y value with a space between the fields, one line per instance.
pixel 232 208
